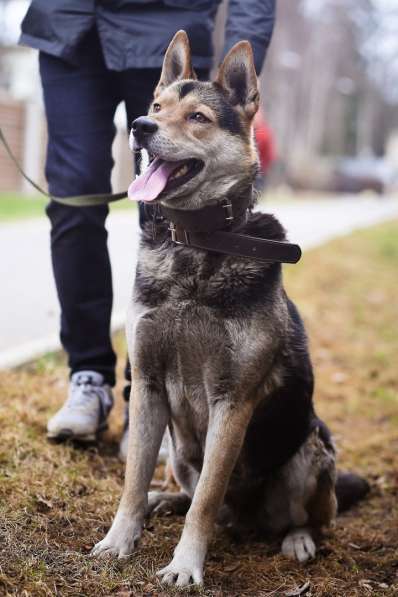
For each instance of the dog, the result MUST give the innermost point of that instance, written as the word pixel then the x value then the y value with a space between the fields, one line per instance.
pixel 219 352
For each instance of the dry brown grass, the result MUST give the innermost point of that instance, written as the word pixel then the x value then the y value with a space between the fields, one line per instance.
pixel 56 501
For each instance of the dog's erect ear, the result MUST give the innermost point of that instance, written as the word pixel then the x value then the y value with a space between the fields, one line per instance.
pixel 237 76
pixel 177 62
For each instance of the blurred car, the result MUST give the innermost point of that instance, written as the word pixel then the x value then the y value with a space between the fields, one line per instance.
pixel 354 175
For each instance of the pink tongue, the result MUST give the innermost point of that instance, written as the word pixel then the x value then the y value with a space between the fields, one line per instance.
pixel 151 183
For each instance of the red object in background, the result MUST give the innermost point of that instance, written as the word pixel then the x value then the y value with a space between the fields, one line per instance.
pixel 265 142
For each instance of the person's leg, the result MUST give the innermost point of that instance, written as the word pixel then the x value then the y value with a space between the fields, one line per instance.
pixel 80 103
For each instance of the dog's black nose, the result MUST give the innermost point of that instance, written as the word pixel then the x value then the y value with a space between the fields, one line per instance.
pixel 144 126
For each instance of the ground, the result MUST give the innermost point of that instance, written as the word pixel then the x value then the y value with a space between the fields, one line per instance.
pixel 57 501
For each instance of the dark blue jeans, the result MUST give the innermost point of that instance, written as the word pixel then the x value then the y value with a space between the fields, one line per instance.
pixel 80 103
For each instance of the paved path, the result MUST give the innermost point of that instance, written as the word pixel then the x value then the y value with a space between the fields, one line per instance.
pixel 29 311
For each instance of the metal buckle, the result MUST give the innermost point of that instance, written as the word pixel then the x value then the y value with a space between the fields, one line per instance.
pixel 230 214
pixel 173 231
pixel 157 218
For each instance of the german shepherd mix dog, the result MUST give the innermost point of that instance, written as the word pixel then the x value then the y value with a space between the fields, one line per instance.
pixel 218 351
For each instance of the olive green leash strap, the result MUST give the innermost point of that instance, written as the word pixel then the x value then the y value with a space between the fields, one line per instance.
pixel 77 200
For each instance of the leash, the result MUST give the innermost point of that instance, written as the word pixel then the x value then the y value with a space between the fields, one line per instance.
pixel 186 228
pixel 76 200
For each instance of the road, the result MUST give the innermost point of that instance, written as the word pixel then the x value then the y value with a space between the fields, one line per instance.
pixel 29 312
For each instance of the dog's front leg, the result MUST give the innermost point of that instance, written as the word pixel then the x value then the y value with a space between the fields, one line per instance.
pixel 226 431
pixel 148 419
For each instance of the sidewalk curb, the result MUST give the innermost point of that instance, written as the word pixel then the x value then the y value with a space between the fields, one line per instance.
pixel 29 351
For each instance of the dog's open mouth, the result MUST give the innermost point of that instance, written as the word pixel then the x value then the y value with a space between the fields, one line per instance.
pixel 163 176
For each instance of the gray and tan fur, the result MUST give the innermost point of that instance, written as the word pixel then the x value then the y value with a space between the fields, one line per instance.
pixel 218 351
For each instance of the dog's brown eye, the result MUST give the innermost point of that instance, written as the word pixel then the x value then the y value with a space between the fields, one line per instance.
pixel 199 117
pixel 156 107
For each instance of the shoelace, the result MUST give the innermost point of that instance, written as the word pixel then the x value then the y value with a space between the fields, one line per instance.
pixel 85 390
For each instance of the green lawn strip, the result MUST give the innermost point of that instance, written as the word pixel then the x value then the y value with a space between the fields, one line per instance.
pixel 15 207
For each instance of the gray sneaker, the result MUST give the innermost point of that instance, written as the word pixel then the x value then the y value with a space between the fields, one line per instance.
pixel 86 410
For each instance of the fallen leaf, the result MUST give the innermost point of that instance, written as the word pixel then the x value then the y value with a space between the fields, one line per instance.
pixel 364 583
pixel 42 504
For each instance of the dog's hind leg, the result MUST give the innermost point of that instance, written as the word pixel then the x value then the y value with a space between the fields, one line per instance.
pixel 226 431
pixel 163 502
pixel 299 545
pixel 319 511
pixel 307 484
pixel 149 415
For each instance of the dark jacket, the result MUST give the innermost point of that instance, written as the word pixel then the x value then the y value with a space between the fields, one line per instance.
pixel 135 33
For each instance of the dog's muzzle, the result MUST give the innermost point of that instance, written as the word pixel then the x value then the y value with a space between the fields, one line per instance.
pixel 143 128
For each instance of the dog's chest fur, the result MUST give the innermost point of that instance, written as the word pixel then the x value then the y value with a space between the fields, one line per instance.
pixel 206 327
pixel 197 306
pixel 169 275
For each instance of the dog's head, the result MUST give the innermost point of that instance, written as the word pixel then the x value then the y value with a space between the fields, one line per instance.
pixel 198 135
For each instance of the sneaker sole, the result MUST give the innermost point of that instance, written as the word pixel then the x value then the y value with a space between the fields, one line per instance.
pixel 67 434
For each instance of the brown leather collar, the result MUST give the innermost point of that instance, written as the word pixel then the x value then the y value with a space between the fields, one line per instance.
pixel 241 245
pixel 225 215
pixel 213 228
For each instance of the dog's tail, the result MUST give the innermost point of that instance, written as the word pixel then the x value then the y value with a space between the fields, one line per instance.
pixel 350 489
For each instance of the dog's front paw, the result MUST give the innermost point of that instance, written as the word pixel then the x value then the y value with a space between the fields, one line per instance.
pixel 182 572
pixel 299 545
pixel 119 542
pixel 118 549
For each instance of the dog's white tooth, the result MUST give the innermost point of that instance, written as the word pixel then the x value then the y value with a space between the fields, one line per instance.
pixel 179 172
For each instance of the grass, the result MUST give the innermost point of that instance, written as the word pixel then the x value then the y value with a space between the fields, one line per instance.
pixel 14 206
pixel 56 501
